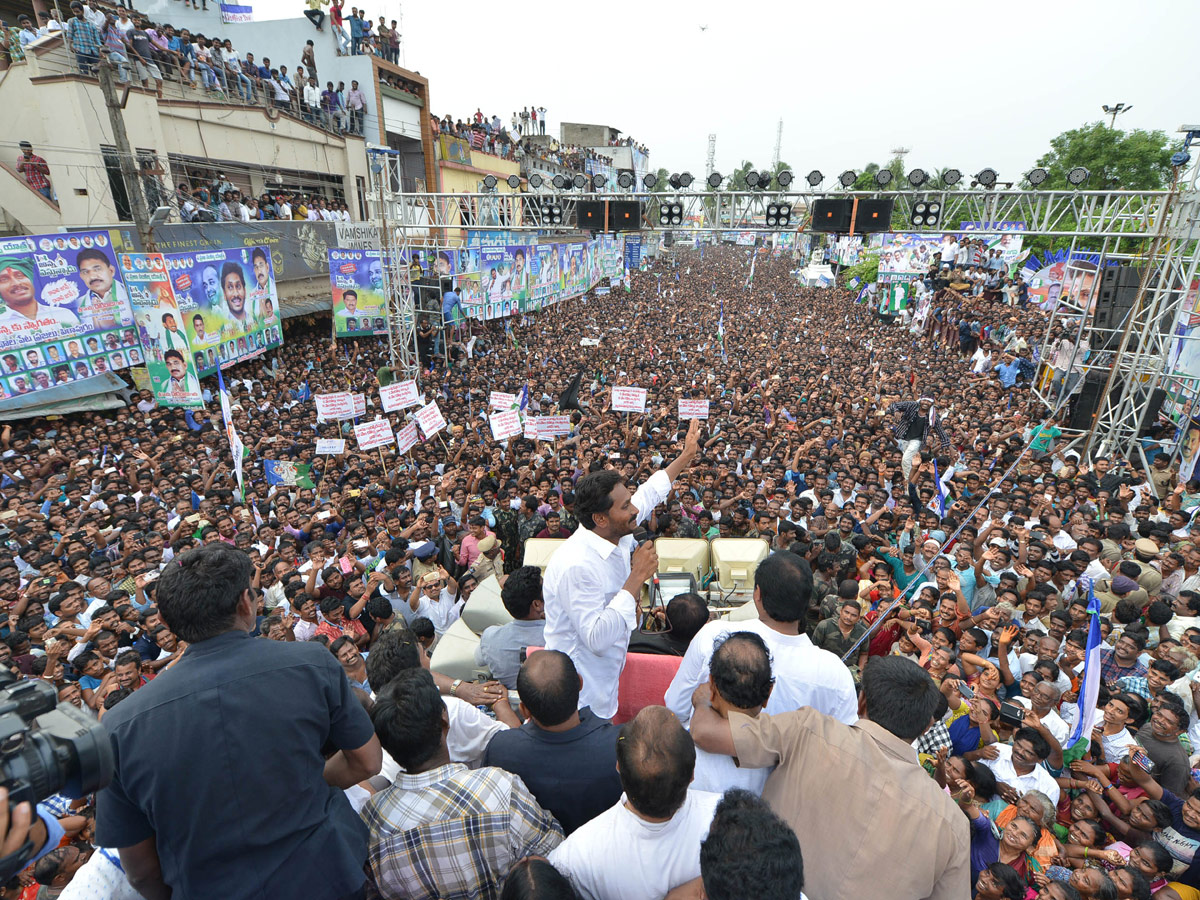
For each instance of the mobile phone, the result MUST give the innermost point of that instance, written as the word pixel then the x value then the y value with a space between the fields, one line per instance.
pixel 361 544
pixel 151 576
pixel 965 691
pixel 193 518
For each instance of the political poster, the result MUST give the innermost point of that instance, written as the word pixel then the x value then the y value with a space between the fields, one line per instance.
pixel 573 259
pixel 431 262
pixel 501 400
pixel 229 304
pixel 430 419
pixel 495 274
pixel 505 424
pixel 333 407
pixel 359 304
pixel 693 409
pixel 376 433
pixel 399 395
pixel 163 339
pixel 550 427
pixel 547 285
pixel 629 399
pixel 908 255
pixel 331 446
pixel 470 295
pixel 519 279
pixel 1003 236
pixel 407 437
pixel 65 313
pixel 633 251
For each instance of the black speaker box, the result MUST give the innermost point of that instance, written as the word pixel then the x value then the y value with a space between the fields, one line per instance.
pixel 873 216
pixel 831 216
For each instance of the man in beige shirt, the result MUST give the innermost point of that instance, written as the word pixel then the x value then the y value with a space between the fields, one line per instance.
pixel 869 819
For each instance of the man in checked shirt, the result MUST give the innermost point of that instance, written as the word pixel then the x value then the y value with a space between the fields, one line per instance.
pixel 35 170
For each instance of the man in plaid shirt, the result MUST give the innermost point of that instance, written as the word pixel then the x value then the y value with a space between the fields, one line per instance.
pixel 84 38
pixel 35 170
pixel 441 829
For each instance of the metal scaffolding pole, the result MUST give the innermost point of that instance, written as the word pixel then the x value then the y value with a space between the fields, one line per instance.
pixel 397 287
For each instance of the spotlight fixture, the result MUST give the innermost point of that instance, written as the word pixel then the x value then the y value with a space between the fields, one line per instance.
pixel 625 180
pixel 686 179
pixel 670 212
pixel 674 181
pixel 535 180
pixel 580 181
pixel 926 214
pixel 764 180
pixel 784 178
pixel 815 177
pixel 987 177
pixel 552 213
pixel 751 179
pixel 714 180
pixel 598 181
pixel 560 182
pixel 489 182
pixel 513 181
pixel 1037 176
pixel 951 176
pixel 1078 175
pixel 918 177
pixel 883 177
pixel 649 180
pixel 779 215
pixel 847 178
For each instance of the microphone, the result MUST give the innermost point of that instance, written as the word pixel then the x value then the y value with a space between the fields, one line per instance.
pixel 641 535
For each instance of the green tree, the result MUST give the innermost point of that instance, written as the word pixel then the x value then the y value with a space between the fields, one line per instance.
pixel 662 185
pixel 737 178
pixel 1128 160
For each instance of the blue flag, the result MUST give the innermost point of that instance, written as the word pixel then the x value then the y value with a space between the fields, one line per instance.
pixel 1089 684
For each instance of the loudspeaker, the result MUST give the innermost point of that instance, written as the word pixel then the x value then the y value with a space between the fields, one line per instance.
pixel 1121 276
pixel 1089 401
pixel 624 215
pixel 873 216
pixel 1114 302
pixel 831 216
pixel 589 214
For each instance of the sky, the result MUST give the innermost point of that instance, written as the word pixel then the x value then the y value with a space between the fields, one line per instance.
pixel 962 85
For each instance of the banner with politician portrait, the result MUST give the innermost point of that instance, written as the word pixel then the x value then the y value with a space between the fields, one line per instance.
pixel 359 303
pixel 547 275
pixel 908 255
pixel 519 277
pixel 164 341
pixel 229 304
pixel 573 259
pixel 65 311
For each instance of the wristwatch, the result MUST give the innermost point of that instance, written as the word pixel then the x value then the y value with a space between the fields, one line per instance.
pixel 454 686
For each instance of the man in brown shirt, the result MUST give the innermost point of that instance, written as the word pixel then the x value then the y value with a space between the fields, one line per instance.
pixel 867 815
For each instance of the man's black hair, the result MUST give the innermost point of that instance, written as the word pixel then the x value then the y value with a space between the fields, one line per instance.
pixel 900 696
pixel 687 613
pixel 784 583
pixel 408 716
pixel 740 670
pixel 1041 747
pixel 593 495
pixel 548 685
pixel 521 589
pixel 750 852
pixel 199 591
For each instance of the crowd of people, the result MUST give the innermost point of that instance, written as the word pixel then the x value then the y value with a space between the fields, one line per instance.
pixel 215 199
pixel 894 719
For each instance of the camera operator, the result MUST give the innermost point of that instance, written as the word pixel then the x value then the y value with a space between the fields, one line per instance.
pixel 21 833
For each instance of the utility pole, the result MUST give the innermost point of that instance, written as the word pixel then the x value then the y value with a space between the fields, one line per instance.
pixel 1115 111
pixel 778 147
pixel 129 173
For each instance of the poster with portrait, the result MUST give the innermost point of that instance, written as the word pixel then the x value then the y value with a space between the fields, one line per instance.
pixel 470 296
pixel 517 257
pixel 64 311
pixel 431 262
pixel 229 304
pixel 573 260
pixel 908 255
pixel 495 272
pixel 547 284
pixel 359 304
pixel 161 334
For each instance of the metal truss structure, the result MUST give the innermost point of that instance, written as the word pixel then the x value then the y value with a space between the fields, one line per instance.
pixel 1154 230
pixel 394 244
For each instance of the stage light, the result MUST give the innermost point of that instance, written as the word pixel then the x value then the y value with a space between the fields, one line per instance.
pixel 918 177
pixel 987 177
pixel 552 213
pixel 649 180
pixel 1037 176
pixel 514 181
pixel 580 181
pixel 926 214
pixel 883 177
pixel 489 182
pixel 673 181
pixel 560 182
pixel 625 180
pixel 670 213
pixel 714 180
pixel 951 176
pixel 815 177
pixel 598 181
pixel 779 215
pixel 764 180
pixel 752 179
pixel 686 179
pixel 847 178
pixel 784 178
pixel 1078 175
pixel 535 181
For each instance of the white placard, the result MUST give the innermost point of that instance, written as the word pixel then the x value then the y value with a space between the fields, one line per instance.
pixel 629 399
pixel 400 395
pixel 693 409
pixel 530 429
pixel 360 405
pixel 407 437
pixel 501 400
pixel 332 407
pixel 430 419
pixel 550 427
pixel 331 446
pixel 505 424
pixel 376 433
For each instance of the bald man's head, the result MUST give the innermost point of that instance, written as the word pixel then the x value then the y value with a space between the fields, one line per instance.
pixel 548 686
pixel 656 760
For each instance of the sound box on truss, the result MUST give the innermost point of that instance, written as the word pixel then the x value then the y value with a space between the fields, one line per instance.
pixel 831 216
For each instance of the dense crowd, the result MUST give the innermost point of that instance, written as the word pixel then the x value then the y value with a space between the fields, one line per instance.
pixel 261 658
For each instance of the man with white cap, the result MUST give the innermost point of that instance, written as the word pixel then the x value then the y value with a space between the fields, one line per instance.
pixel 918 421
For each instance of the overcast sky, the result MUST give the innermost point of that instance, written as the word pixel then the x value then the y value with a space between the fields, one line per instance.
pixel 963 85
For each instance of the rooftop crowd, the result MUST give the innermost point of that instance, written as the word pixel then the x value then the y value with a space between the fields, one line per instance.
pixel 261 660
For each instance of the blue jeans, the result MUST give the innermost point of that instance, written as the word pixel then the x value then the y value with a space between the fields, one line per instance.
pixel 47 193
pixel 245 87
pixel 87 62
pixel 122 63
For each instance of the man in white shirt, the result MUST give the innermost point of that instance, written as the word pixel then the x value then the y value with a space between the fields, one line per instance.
pixel 648 843
pixel 591 584
pixel 1019 765
pixel 804 675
